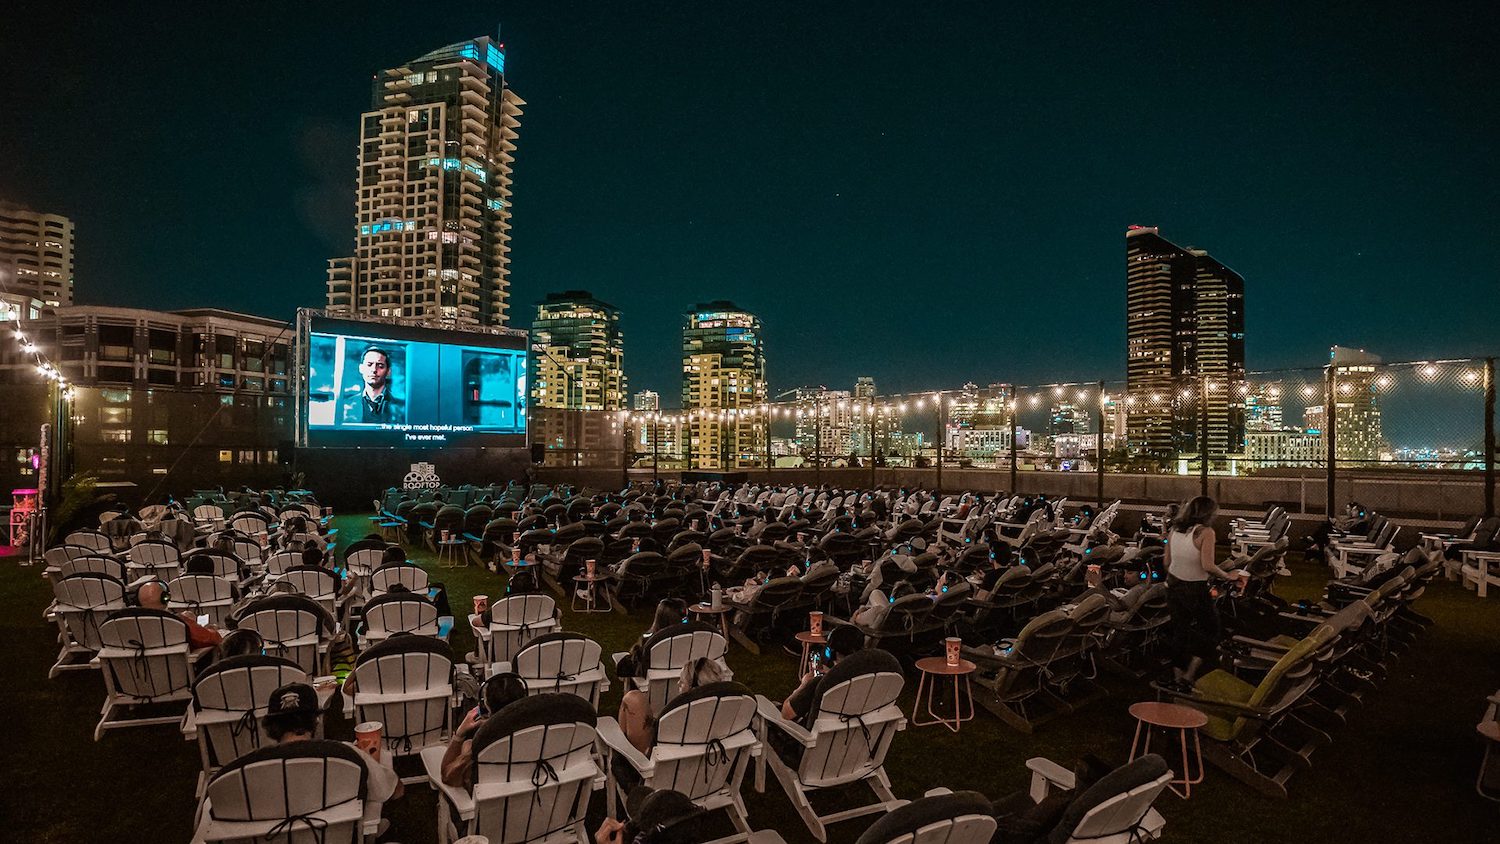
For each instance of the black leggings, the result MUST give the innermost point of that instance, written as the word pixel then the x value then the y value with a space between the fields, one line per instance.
pixel 1195 622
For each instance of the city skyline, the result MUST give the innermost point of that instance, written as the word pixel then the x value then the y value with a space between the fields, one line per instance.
pixel 1012 181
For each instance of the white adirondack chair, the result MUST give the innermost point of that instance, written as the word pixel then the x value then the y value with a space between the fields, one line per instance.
pixel 92 539
pixel 156 558
pixel 81 603
pixel 316 582
pixel 292 626
pixel 667 651
pixel 405 683
pixel 410 575
pixel 202 594
pixel 941 817
pixel 1114 810
pixel 535 769
pixel 704 742
pixel 515 621
pixel 145 659
pixel 560 662
pixel 306 791
pixel 229 699
pixel 853 719
pixel 278 563
pixel 398 612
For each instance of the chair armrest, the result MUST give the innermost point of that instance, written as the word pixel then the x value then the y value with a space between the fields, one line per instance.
pixel 1044 774
pixel 189 725
pixel 1259 644
pixel 459 798
pixel 1260 714
pixel 770 715
pixel 614 738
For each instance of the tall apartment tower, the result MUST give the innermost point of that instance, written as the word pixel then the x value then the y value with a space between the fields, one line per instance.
pixel 646 400
pixel 432 236
pixel 578 353
pixel 36 262
pixel 1185 347
pixel 1358 435
pixel 724 381
pixel 577 365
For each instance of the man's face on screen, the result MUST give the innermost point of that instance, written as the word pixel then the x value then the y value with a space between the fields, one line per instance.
pixel 376 370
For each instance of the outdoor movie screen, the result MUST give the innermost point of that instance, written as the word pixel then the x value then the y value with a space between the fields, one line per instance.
pixel 392 386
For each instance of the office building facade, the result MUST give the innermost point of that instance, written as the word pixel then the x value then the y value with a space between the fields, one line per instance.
pixel 36 262
pixel 724 386
pixel 577 353
pixel 1185 349
pixel 432 230
pixel 164 400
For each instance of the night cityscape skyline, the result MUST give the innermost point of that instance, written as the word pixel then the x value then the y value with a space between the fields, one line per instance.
pixel 856 215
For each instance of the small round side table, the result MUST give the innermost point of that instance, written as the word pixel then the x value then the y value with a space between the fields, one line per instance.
pixel 707 612
pixel 1171 716
pixel 933 668
pixel 587 587
pixel 448 549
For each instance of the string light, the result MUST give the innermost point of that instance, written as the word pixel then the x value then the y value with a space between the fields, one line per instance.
pixel 44 367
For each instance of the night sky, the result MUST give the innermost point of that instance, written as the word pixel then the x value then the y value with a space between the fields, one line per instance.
pixel 926 192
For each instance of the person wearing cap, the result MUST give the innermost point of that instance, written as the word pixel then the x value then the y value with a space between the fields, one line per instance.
pixel 292 715
pixel 656 817
pixel 842 641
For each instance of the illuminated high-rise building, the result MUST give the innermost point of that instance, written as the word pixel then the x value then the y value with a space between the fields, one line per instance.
pixel 578 353
pixel 36 262
pixel 864 387
pixel 646 400
pixel 432 230
pixel 825 422
pixel 724 386
pixel 1185 345
pixel 1357 434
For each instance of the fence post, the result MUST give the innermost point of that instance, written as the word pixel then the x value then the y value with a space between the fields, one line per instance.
pixel 942 428
pixel 625 450
pixel 1202 434
pixel 1329 433
pixel 770 411
pixel 1013 483
pixel 872 443
pixel 655 460
pixel 1489 437
pixel 817 441
pixel 1099 447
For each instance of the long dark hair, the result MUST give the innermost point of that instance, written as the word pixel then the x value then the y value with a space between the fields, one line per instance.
pixel 1197 512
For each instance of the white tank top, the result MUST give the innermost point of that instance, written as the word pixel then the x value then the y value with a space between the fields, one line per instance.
pixel 1183 557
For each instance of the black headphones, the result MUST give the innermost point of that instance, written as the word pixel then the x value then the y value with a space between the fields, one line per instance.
pixel 166 591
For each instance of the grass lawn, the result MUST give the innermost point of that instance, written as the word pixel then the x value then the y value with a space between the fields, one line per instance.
pixel 1402 770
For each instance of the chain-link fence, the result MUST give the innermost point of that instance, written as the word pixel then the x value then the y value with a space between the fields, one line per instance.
pixel 1407 437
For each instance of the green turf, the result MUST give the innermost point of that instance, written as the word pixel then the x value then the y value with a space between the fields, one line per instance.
pixel 1403 769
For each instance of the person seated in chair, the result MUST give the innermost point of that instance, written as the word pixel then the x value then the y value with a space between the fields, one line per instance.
pixel 495 694
pixel 842 641
pixel 637 720
pixel 292 715
pixel 153 596
pixel 877 606
pixel 670 612
pixel 655 817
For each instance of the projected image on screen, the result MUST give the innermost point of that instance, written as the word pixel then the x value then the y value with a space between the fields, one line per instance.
pixel 387 391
